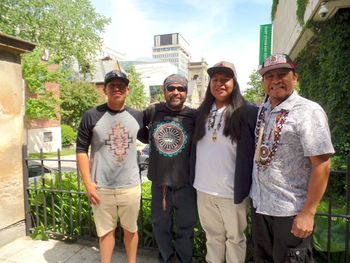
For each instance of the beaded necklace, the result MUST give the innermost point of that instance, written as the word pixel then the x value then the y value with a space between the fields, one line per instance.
pixel 263 153
pixel 211 123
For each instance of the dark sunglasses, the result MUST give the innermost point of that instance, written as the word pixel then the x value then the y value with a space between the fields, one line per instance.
pixel 179 89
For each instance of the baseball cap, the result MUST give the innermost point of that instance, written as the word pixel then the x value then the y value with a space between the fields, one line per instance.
pixel 116 74
pixel 223 67
pixel 175 78
pixel 276 61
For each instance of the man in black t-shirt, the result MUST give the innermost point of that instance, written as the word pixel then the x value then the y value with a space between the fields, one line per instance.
pixel 168 127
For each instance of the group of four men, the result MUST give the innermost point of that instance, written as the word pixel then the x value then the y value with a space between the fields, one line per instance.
pixel 289 177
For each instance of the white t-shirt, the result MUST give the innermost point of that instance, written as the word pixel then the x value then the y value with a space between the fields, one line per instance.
pixel 215 161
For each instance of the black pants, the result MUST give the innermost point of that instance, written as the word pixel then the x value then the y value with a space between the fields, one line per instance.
pixel 274 242
pixel 173 220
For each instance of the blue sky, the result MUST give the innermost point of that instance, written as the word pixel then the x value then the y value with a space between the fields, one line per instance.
pixel 216 30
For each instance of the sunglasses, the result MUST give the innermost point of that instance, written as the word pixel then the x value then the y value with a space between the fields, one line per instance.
pixel 179 89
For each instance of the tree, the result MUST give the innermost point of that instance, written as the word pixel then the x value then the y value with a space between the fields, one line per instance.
pixel 136 97
pixel 66 29
pixel 41 103
pixel 255 93
pixel 76 98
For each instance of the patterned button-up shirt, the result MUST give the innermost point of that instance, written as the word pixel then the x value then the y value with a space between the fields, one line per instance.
pixel 280 188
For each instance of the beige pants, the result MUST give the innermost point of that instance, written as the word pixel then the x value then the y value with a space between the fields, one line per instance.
pixel 123 203
pixel 224 223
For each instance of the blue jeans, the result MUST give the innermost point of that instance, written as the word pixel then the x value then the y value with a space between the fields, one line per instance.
pixel 174 215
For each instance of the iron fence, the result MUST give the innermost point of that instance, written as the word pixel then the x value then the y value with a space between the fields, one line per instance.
pixel 56 201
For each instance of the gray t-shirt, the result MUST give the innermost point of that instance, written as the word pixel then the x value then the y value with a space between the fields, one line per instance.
pixel 280 186
pixel 112 137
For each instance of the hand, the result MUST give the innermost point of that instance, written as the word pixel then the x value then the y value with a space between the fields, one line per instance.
pixel 303 225
pixel 92 193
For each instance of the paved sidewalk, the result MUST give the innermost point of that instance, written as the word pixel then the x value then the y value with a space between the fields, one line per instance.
pixel 26 250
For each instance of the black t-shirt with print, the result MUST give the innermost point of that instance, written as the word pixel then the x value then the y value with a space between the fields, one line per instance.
pixel 170 136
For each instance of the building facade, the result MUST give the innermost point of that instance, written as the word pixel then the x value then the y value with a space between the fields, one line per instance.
pixel 197 72
pixel 289 36
pixel 172 48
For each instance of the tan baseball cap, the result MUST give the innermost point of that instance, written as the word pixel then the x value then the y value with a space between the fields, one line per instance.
pixel 223 67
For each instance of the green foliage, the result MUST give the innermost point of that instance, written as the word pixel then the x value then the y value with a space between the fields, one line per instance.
pixel 39 233
pixel 255 93
pixel 44 104
pixel 338 162
pixel 157 94
pixel 148 238
pixel 338 230
pixel 67 29
pixel 274 9
pixel 42 107
pixel 36 73
pixel 324 74
pixel 76 98
pixel 136 98
pixel 62 209
pixel 45 155
pixel 301 7
pixel 68 135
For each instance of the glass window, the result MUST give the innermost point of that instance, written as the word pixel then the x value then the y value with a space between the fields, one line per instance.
pixel 48 137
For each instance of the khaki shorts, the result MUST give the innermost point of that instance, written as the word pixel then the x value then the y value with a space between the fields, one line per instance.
pixel 122 203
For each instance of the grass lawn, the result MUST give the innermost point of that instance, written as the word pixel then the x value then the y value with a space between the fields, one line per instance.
pixel 64 152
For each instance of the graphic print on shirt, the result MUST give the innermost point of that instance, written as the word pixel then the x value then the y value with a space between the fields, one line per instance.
pixel 170 138
pixel 119 141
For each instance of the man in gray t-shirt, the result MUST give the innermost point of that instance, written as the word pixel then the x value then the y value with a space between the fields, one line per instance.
pixel 111 174
pixel 291 167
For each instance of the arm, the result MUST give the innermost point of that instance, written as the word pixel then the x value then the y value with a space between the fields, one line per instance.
pixel 304 222
pixel 84 168
pixel 148 114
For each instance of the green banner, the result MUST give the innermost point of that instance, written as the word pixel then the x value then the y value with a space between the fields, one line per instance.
pixel 265 42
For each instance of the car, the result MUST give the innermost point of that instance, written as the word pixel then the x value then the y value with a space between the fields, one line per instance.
pixel 143 157
pixel 36 172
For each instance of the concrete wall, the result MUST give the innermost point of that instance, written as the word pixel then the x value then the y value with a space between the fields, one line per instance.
pixel 289 36
pixel 11 137
pixel 11 140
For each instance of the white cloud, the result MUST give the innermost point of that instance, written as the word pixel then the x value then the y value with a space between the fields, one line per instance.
pixel 211 30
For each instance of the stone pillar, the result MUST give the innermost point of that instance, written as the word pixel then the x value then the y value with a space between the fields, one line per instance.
pixel 11 137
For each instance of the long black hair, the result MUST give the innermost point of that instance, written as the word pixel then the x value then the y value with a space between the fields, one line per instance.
pixel 233 115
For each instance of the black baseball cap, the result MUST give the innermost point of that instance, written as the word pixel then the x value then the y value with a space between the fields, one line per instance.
pixel 116 74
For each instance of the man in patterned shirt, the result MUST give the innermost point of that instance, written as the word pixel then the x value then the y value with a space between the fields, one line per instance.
pixel 291 167
pixel 111 176
pixel 169 127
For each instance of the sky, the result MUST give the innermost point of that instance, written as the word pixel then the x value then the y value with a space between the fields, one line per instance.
pixel 215 29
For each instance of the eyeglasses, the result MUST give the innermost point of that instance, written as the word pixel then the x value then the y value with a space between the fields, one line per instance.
pixel 179 89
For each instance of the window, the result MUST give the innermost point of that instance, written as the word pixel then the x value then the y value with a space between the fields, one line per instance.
pixel 47 136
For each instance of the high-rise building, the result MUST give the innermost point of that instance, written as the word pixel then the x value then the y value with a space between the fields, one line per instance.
pixel 172 48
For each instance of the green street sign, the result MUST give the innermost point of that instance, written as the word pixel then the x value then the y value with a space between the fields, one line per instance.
pixel 265 42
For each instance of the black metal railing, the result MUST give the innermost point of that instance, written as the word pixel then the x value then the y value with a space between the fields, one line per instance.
pixel 57 202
